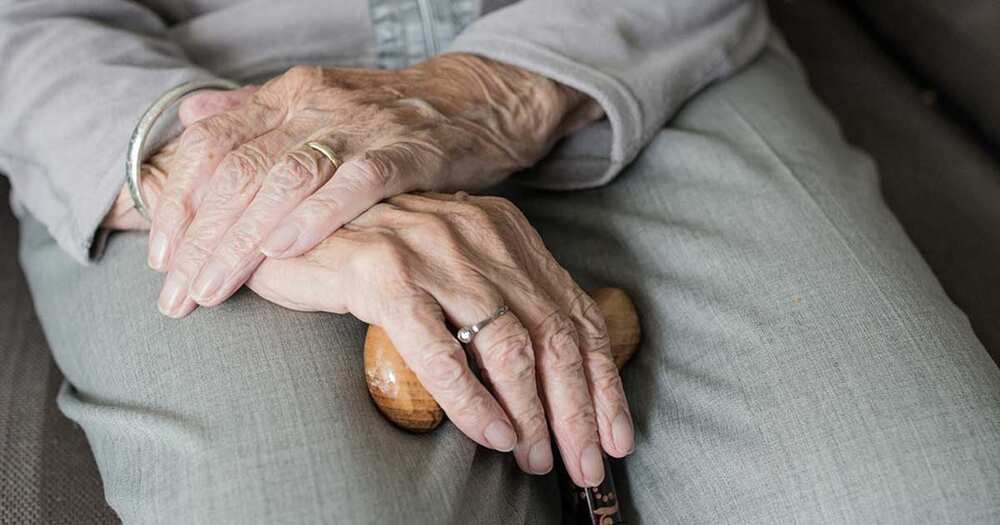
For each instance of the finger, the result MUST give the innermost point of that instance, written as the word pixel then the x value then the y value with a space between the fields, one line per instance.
pixel 507 365
pixel 566 395
pixel 123 214
pixel 558 360
pixel 227 196
pixel 210 102
pixel 614 419
pixel 359 183
pixel 437 359
pixel 201 148
pixel 292 283
pixel 289 182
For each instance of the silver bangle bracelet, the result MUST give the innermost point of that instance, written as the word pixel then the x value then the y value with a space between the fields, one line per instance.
pixel 137 143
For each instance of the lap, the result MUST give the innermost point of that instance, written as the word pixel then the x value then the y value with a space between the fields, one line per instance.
pixel 246 412
pixel 800 361
pixel 799 358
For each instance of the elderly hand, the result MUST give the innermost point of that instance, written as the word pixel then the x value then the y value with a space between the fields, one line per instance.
pixel 417 261
pixel 204 104
pixel 248 186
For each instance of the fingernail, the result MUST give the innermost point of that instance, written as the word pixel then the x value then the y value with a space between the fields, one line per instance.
pixel 209 281
pixel 280 240
pixel 500 436
pixel 172 296
pixel 623 433
pixel 158 251
pixel 187 306
pixel 592 465
pixel 540 457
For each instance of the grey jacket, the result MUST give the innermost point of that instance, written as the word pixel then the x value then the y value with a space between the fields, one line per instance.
pixel 75 75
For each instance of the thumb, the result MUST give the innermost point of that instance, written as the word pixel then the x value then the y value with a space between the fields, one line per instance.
pixel 123 215
pixel 208 102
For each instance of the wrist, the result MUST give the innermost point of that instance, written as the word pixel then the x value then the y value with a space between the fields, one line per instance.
pixel 532 110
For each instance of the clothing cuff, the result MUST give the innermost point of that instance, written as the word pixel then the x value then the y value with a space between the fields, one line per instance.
pixel 90 237
pixel 597 152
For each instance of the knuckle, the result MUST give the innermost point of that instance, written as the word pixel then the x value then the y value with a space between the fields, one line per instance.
pixel 204 102
pixel 597 341
pixel 243 241
pixel 239 171
pixel 472 213
pixel 444 367
pixel 205 233
pixel 294 172
pixel 392 259
pixel 435 227
pixel 593 330
pixel 519 280
pixel 511 359
pixel 420 105
pixel 534 418
pixel 472 404
pixel 197 136
pixel 580 419
pixel 199 241
pixel 387 251
pixel 408 303
pixel 566 361
pixel 172 211
pixel 605 379
pixel 375 169
pixel 473 220
pixel 190 257
pixel 560 340
pixel 323 205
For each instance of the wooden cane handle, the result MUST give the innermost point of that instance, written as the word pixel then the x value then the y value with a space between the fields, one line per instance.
pixel 399 395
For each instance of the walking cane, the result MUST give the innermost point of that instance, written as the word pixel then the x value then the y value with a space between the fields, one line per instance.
pixel 399 395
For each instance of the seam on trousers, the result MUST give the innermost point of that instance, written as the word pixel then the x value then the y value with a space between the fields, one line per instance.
pixel 840 234
pixel 410 31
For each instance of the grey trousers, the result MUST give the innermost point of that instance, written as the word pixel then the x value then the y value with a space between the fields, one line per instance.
pixel 800 362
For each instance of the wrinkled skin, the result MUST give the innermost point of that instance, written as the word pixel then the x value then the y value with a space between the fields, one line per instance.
pixel 246 185
pixel 415 262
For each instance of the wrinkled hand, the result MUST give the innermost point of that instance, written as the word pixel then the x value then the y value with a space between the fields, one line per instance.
pixel 204 104
pixel 246 184
pixel 417 261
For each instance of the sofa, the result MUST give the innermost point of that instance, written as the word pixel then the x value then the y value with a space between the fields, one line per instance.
pixel 916 83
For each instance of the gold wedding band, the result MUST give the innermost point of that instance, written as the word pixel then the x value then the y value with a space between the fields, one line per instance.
pixel 327 152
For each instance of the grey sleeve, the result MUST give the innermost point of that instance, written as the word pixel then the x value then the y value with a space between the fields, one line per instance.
pixel 640 59
pixel 76 76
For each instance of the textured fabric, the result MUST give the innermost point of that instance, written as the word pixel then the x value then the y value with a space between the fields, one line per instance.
pixel 639 59
pixel 47 474
pixel 77 74
pixel 410 31
pixel 917 147
pixel 938 178
pixel 955 45
pixel 800 362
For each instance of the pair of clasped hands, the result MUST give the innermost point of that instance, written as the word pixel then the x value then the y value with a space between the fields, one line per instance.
pixel 238 198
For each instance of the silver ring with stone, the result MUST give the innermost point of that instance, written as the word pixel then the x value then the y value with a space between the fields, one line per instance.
pixel 466 333
pixel 137 143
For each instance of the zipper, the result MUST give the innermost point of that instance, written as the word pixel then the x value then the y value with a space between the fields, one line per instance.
pixel 430 33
